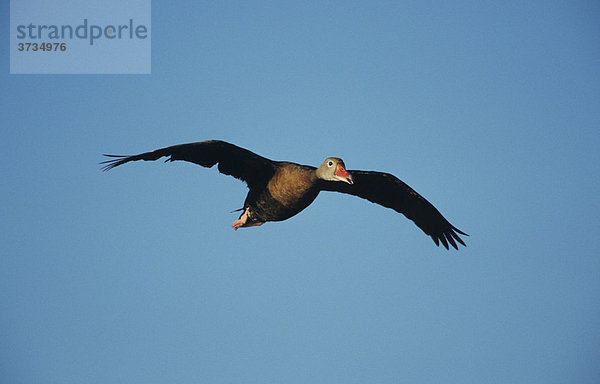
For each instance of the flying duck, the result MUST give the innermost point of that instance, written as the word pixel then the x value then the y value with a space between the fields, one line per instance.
pixel 279 190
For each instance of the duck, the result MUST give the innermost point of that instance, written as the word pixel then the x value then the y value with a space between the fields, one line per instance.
pixel 278 190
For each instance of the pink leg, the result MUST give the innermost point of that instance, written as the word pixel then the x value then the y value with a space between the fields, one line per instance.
pixel 241 222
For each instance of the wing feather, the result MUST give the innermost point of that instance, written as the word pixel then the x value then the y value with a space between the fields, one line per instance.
pixel 232 160
pixel 389 191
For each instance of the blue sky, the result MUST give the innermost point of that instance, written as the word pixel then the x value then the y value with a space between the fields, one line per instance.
pixel 490 110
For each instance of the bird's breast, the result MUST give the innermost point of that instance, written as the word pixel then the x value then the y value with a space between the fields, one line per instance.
pixel 291 189
pixel 292 184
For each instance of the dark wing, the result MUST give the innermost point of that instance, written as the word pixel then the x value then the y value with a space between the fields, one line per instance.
pixel 389 191
pixel 238 162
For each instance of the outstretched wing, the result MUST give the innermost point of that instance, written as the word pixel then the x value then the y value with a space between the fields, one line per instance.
pixel 238 162
pixel 389 191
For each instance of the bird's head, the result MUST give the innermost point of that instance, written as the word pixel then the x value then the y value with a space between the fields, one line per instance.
pixel 333 169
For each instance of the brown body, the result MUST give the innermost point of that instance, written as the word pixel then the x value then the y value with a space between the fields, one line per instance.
pixel 292 188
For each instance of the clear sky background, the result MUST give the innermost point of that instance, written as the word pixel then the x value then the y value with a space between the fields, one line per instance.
pixel 489 109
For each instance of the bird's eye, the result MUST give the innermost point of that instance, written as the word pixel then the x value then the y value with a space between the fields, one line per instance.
pixel 330 163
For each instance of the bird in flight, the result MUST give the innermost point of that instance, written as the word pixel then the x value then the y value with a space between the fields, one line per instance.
pixel 279 190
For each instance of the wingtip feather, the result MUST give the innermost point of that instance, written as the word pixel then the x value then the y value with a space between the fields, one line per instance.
pixel 116 161
pixel 443 240
pixel 459 231
pixel 451 241
pixel 449 238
